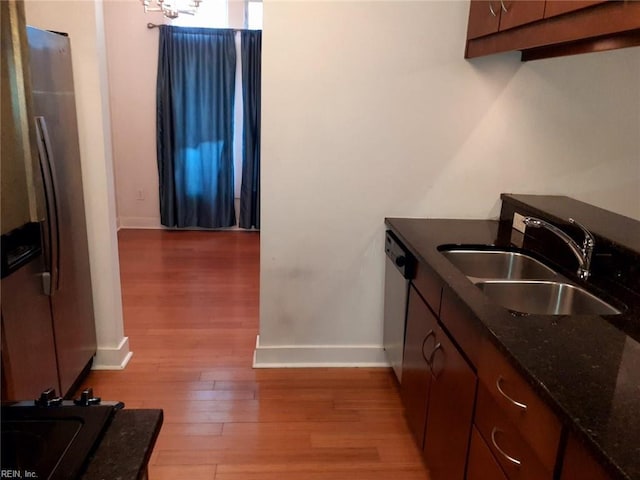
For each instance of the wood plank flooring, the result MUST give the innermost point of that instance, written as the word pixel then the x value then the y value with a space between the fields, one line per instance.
pixel 191 314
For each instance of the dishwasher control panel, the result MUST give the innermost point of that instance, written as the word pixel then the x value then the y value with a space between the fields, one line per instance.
pixel 400 255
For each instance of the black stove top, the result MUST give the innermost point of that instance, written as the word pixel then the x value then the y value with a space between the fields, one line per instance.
pixel 51 440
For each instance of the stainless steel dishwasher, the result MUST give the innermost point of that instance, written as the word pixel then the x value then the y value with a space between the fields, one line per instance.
pixel 400 267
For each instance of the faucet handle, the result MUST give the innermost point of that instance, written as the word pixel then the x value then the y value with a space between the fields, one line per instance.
pixel 589 241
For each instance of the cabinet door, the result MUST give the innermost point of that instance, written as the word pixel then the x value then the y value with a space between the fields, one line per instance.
pixel 558 7
pixel 518 12
pixel 578 464
pixel 482 465
pixel 490 16
pixel 453 390
pixel 416 376
pixel 484 18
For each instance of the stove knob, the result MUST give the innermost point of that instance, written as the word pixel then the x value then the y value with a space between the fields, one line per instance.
pixel 87 398
pixel 401 261
pixel 48 398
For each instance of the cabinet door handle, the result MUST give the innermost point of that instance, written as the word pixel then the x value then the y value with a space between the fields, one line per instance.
pixel 433 352
pixel 493 12
pixel 513 460
pixel 521 405
pixel 504 8
pixel 430 334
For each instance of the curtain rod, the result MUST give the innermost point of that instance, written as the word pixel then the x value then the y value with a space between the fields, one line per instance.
pixel 154 25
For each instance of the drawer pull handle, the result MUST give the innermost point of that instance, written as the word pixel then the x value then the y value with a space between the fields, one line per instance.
pixel 516 403
pixel 513 460
pixel 504 8
pixel 493 12
pixel 431 333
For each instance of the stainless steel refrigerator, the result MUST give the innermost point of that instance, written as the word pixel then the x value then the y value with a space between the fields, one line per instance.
pixel 47 303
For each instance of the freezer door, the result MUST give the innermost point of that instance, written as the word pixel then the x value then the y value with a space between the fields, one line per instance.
pixel 28 351
pixel 66 246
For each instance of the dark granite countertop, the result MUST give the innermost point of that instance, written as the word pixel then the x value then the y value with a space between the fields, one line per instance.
pixel 587 370
pixel 125 448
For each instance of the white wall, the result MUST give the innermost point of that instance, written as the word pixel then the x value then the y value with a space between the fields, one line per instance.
pixel 82 20
pixel 370 110
pixel 132 52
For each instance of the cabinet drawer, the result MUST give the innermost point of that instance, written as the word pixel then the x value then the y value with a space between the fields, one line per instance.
pixel 429 286
pixel 508 446
pixel 462 325
pixel 482 465
pixel 520 404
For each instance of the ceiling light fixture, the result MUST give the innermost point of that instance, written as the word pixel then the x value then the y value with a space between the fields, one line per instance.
pixel 171 8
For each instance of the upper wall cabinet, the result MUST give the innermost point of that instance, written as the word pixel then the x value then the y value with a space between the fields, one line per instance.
pixel 550 28
pixel 490 16
pixel 558 7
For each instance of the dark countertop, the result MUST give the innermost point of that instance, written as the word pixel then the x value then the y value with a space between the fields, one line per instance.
pixel 587 370
pixel 125 448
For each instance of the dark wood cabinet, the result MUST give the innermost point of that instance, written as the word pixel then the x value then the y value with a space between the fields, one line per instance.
pixel 484 18
pixel 487 426
pixel 521 432
pixel 459 321
pixel 473 409
pixel 450 411
pixel 519 404
pixel 438 391
pixel 429 286
pixel 546 29
pixel 491 16
pixel 558 7
pixel 509 447
pixel 482 465
pixel 578 464
pixel 514 13
pixel 416 374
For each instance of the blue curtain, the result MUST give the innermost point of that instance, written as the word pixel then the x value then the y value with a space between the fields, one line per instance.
pixel 195 92
pixel 251 53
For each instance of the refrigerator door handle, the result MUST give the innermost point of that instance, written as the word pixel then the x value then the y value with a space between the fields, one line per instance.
pixel 46 283
pixel 51 282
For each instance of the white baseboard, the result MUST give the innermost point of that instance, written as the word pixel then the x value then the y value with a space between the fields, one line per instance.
pixel 140 223
pixel 153 223
pixel 316 356
pixel 113 358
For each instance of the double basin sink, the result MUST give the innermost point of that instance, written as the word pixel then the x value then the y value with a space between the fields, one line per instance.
pixel 523 284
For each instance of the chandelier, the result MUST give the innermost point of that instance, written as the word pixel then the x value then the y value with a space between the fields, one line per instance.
pixel 171 8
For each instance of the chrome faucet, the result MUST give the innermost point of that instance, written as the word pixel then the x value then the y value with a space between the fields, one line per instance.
pixel 583 254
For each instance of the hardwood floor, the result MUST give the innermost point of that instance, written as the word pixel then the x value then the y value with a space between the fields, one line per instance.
pixel 191 314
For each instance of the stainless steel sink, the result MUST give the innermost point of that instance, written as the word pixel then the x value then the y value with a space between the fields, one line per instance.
pixel 545 297
pixel 523 284
pixel 499 264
